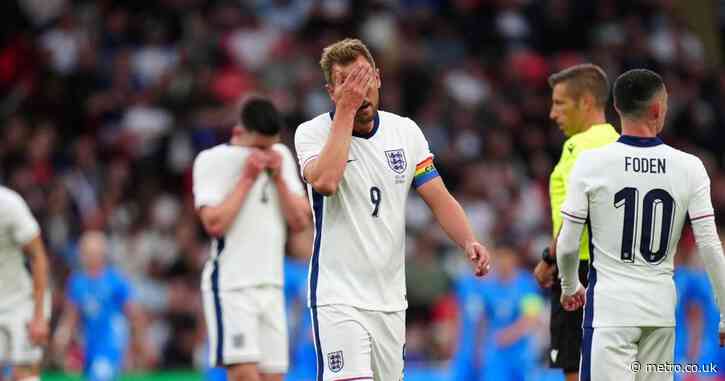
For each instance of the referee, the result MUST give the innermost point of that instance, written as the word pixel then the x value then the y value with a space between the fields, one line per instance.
pixel 579 98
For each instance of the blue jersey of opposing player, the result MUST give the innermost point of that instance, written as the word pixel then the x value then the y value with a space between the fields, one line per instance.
pixel 100 301
pixel 687 293
pixel 302 347
pixel 693 288
pixel 490 348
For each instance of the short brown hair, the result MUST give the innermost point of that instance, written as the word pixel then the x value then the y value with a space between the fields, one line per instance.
pixel 342 53
pixel 584 78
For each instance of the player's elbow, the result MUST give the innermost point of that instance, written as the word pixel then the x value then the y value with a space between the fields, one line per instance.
pixel 300 222
pixel 213 228
pixel 326 187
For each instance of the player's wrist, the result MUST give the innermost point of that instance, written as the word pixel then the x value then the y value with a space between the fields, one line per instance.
pixel 246 180
pixel 347 111
pixel 38 313
pixel 569 289
pixel 467 244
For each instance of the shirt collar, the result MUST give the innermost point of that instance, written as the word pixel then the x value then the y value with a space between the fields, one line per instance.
pixel 376 124
pixel 638 141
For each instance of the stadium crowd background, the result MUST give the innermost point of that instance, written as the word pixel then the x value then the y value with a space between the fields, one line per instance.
pixel 105 104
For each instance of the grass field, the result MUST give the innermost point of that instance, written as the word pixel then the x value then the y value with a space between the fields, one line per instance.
pixel 160 376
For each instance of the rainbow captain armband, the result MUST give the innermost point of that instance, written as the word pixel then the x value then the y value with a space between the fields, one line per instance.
pixel 425 171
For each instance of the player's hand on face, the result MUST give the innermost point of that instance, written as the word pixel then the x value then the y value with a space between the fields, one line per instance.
pixel 351 92
pixel 574 301
pixel 479 257
pixel 544 274
pixel 256 162
pixel 274 162
pixel 38 331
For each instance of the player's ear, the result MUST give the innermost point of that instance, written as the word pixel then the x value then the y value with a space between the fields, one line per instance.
pixel 330 91
pixel 655 110
pixel 587 101
pixel 238 130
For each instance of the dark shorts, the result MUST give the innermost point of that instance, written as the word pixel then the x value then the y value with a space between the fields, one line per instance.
pixel 566 328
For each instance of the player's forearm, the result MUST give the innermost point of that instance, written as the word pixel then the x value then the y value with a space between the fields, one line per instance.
pixel 295 209
pixel 39 265
pixel 218 218
pixel 325 174
pixel 711 252
pixel 567 256
pixel 452 219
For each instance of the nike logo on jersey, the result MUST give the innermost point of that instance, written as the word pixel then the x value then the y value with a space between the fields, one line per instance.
pixel 351 160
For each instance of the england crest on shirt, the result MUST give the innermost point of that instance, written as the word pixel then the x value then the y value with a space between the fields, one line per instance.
pixel 396 160
pixel 335 361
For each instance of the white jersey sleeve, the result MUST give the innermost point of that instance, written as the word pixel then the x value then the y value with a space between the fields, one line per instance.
pixel 576 205
pixel 422 148
pixel 23 225
pixel 700 203
pixel 423 158
pixel 210 187
pixel 17 228
pixel 575 212
pixel 289 170
pixel 708 242
pixel 310 137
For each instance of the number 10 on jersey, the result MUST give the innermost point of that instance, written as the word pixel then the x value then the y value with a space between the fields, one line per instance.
pixel 629 199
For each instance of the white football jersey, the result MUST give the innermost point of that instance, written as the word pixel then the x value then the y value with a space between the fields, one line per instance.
pixel 17 228
pixel 636 195
pixel 358 257
pixel 251 251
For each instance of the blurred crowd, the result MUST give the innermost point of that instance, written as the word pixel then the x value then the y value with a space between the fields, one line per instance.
pixel 104 105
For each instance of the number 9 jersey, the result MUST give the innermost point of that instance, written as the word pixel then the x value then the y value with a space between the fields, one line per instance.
pixel 635 195
pixel 359 246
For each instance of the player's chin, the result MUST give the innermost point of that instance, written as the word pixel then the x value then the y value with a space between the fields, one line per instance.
pixel 365 114
pixel 362 118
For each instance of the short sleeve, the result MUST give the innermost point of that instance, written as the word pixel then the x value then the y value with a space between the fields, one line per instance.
pixel 425 169
pixel 289 171
pixel 309 141
pixel 24 227
pixel 700 205
pixel 208 190
pixel 576 203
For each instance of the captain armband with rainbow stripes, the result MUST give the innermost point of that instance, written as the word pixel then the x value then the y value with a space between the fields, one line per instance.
pixel 425 171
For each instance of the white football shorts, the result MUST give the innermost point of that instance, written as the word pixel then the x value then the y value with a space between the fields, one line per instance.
pixel 356 344
pixel 248 325
pixel 627 353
